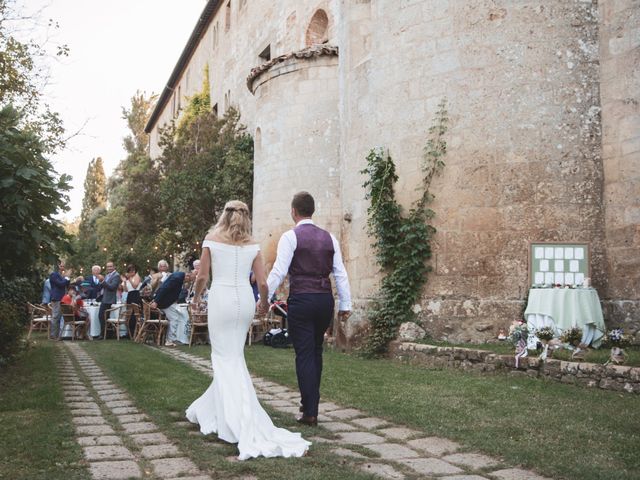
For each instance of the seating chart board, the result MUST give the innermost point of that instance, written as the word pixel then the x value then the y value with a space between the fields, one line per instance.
pixel 558 263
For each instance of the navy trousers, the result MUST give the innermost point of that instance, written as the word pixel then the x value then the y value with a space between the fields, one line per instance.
pixel 308 317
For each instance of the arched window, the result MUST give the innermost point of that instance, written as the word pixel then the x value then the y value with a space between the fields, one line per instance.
pixel 318 29
pixel 257 142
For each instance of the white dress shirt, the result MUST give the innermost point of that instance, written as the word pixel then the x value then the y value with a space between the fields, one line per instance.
pixel 287 247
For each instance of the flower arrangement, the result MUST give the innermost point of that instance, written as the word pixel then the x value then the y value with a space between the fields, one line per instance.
pixel 616 338
pixel 545 333
pixel 518 331
pixel 572 336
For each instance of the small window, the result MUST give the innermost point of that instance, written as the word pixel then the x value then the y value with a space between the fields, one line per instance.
pixel 318 30
pixel 179 98
pixel 215 110
pixel 266 53
pixel 227 20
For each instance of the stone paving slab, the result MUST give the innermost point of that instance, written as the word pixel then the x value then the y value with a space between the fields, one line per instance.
pixel 360 438
pixel 124 410
pixel 85 412
pixel 338 427
pixel 369 422
pixel 94 430
pixel 78 398
pixel 149 438
pixel 430 466
pixel 115 396
pixel 137 417
pixel 399 433
pixel 392 451
pixel 139 427
pixel 119 403
pixel 465 477
pixel 122 470
pixel 103 440
pixel 172 467
pixel 102 452
pixel 278 403
pixel 382 470
pixel 289 409
pixel 93 420
pixel 108 390
pixel 345 414
pixel 205 477
pixel 434 445
pixel 159 451
pixel 345 452
pixel 516 474
pixel 328 406
pixel 474 461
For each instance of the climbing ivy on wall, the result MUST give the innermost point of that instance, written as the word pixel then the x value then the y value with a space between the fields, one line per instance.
pixel 402 241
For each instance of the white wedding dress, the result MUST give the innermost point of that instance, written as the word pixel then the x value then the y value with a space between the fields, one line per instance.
pixel 230 407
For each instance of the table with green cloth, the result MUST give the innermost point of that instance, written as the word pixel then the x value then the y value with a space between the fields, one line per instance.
pixel 563 308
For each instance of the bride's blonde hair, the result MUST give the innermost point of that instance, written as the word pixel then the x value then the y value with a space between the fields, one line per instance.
pixel 234 224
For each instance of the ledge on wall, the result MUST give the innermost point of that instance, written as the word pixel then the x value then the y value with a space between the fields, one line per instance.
pixel 306 53
pixel 607 377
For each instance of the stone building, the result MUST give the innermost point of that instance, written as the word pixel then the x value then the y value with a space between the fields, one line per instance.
pixel 544 138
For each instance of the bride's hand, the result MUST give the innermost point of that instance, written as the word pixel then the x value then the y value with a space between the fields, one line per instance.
pixel 262 306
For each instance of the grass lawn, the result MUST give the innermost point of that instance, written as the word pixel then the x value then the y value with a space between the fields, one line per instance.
pixel 36 435
pixel 562 431
pixel 163 388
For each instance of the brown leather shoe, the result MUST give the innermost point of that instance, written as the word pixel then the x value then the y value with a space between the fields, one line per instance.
pixel 309 421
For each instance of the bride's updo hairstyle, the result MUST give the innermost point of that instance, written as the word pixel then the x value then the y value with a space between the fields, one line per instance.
pixel 234 224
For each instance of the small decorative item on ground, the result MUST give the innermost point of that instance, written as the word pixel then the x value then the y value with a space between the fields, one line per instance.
pixel 502 335
pixel 545 334
pixel 616 339
pixel 518 333
pixel 573 336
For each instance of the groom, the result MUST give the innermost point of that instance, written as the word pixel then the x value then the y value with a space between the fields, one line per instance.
pixel 309 254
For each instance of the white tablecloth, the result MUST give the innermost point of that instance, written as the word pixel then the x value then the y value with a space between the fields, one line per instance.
pixel 95 322
pixel 179 324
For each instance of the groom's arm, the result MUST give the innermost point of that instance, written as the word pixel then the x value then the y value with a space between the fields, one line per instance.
pixel 286 247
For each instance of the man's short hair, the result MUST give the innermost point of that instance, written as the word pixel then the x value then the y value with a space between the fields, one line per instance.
pixel 163 262
pixel 96 267
pixel 303 204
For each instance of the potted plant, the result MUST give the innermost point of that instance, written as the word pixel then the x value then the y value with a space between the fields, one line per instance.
pixel 545 334
pixel 616 339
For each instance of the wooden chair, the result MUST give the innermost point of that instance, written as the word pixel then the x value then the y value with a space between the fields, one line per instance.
pixel 154 323
pixel 69 318
pixel 40 319
pixel 124 314
pixel 137 311
pixel 199 321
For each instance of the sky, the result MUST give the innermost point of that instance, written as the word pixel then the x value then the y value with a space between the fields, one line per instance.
pixel 116 48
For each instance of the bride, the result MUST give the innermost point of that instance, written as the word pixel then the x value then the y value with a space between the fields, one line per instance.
pixel 229 407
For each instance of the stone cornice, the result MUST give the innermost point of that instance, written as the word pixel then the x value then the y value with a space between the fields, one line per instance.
pixel 305 54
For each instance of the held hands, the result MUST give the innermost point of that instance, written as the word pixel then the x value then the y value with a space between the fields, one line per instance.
pixel 262 306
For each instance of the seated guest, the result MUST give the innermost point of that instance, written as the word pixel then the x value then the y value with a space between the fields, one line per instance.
pixel 163 268
pixel 75 300
pixel 166 299
pixel 93 281
pixel 189 281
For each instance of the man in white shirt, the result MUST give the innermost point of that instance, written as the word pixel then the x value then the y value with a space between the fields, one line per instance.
pixel 309 254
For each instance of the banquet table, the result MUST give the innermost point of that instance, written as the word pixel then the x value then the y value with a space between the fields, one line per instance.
pixel 563 308
pixel 94 328
pixel 180 330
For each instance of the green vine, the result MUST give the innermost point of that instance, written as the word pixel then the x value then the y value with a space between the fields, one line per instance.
pixel 402 242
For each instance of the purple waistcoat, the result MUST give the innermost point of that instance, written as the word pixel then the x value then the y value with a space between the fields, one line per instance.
pixel 312 261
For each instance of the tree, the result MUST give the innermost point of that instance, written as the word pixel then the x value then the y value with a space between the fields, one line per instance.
pixel 30 197
pixel 23 77
pixel 95 193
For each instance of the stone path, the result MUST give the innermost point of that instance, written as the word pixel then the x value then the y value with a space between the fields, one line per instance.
pixel 119 442
pixel 375 445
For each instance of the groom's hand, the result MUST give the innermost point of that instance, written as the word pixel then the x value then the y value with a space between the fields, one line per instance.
pixel 343 315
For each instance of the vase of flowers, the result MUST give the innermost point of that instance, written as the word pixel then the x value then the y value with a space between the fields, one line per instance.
pixel 573 336
pixel 545 334
pixel 518 333
pixel 616 340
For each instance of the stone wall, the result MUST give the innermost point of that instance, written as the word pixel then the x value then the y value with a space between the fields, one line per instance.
pixel 607 377
pixel 524 160
pixel 620 93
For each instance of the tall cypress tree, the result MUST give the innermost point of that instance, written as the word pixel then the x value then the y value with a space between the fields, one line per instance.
pixel 95 193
